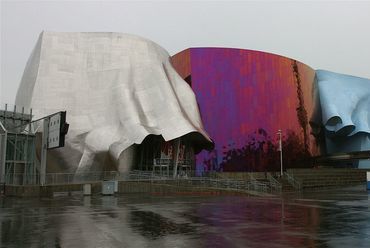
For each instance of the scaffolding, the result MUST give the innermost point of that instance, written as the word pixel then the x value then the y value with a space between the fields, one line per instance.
pixel 18 163
pixel 174 158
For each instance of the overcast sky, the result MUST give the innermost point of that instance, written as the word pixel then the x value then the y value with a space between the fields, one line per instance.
pixel 328 35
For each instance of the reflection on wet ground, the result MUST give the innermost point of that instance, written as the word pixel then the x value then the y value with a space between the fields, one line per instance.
pixel 339 218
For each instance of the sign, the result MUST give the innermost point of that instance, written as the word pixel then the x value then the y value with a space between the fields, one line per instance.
pixel 58 128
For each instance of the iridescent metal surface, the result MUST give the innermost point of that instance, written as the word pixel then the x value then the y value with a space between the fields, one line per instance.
pixel 245 97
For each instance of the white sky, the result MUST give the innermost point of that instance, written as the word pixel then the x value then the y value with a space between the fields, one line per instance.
pixel 328 35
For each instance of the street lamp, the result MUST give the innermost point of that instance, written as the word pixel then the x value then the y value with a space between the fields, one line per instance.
pixel 281 152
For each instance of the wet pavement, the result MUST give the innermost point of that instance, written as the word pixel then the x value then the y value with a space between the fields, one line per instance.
pixel 335 218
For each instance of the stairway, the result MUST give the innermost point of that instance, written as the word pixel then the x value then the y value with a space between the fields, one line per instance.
pixel 327 177
pixel 285 185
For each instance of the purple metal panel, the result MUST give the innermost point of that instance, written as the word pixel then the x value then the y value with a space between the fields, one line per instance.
pixel 245 97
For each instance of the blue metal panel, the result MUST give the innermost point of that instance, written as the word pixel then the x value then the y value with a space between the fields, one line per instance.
pixel 345 105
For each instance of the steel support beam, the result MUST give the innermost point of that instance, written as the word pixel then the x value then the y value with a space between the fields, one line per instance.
pixel 44 151
pixel 3 143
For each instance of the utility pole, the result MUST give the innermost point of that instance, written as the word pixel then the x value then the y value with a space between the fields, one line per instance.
pixel 281 151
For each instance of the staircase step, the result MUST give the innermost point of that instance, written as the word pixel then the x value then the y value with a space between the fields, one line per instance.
pixel 312 178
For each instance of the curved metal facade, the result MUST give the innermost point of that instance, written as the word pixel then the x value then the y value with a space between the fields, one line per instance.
pixel 345 104
pixel 245 97
pixel 116 88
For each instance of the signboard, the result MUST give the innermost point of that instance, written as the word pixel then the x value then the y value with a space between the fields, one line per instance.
pixel 58 128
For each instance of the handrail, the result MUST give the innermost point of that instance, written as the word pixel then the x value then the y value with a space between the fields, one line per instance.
pixel 273 182
pixel 251 177
pixel 295 183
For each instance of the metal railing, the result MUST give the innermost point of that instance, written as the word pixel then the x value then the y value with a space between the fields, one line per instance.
pixel 295 183
pixel 273 182
pixel 22 179
pixel 76 178
pixel 221 184
pixel 200 181
pixel 141 176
